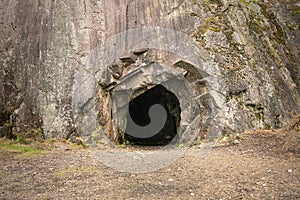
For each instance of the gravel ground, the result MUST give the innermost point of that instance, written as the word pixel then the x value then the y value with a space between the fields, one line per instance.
pixel 253 165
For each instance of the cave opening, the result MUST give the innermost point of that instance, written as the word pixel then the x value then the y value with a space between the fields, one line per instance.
pixel 139 113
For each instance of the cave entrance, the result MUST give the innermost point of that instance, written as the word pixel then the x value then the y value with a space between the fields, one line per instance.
pixel 139 112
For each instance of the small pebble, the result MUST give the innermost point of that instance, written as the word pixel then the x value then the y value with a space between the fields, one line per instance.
pixel 192 194
pixel 290 171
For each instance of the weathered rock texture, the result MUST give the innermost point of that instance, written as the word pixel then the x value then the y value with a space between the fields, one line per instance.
pixel 53 84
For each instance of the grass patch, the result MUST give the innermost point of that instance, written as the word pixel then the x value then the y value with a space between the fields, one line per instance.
pixel 21 150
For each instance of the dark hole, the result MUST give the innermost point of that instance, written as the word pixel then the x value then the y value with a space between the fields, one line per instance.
pixel 139 112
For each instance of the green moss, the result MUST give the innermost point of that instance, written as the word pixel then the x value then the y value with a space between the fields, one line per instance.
pixel 292 26
pixel 30 135
pixel 295 12
pixel 279 34
pixel 255 23
pixel 218 2
pixel 235 95
pixel 257 27
pixel 258 116
pixel 211 24
pixel 264 10
pixel 23 151
pixel 233 44
pixel 255 106
pixel 245 2
pixel 215 29
pixel 267 126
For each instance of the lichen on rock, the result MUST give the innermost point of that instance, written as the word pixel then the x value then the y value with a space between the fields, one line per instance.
pixel 52 81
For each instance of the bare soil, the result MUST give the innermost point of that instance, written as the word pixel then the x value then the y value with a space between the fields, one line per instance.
pixel 261 165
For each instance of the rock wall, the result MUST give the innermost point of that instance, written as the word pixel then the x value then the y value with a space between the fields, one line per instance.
pixel 49 78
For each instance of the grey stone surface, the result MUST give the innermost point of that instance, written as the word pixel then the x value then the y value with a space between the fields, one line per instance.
pixel 55 54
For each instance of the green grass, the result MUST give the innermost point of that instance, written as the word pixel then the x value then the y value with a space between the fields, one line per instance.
pixel 23 150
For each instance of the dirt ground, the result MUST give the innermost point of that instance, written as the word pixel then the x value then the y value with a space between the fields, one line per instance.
pixel 254 165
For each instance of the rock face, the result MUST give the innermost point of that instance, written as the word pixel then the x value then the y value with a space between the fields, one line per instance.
pixel 66 64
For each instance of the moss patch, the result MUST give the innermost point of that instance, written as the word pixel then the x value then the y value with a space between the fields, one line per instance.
pixel 21 150
pixel 245 2
pixel 30 135
pixel 211 23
